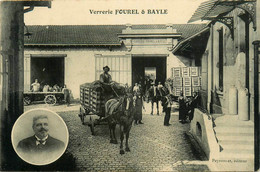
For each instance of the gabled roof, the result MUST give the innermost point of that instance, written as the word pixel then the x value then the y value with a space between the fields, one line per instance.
pixel 90 35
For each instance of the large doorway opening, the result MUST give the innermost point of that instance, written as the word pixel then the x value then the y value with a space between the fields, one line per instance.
pixel 48 70
pixel 151 66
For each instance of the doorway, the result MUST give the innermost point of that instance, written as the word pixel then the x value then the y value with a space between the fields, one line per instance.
pixel 154 66
pixel 48 70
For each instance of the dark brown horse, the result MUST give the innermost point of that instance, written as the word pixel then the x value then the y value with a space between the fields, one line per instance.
pixel 120 111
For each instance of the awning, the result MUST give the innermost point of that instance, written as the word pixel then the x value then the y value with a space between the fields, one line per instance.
pixel 186 42
pixel 214 8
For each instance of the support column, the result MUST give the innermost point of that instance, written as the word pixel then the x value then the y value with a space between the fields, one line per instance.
pixel 12 36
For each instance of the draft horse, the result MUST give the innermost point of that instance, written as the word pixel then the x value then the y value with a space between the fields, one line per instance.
pixel 120 111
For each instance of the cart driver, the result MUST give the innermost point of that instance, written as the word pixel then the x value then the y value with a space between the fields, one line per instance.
pixel 107 83
pixel 105 77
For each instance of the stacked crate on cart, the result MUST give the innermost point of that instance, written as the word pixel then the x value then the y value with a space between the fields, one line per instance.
pixel 177 85
pixel 196 80
pixel 185 72
pixel 92 98
pixel 98 104
pixel 186 79
pixel 187 86
pixel 176 72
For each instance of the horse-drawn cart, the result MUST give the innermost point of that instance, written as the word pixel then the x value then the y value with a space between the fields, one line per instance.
pixel 93 97
pixel 50 98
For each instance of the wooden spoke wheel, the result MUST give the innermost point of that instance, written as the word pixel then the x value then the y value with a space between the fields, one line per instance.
pixel 50 100
pixel 27 100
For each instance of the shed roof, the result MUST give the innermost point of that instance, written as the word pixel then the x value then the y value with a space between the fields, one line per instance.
pixel 75 35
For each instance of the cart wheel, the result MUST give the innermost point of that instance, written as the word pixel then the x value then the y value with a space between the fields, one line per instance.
pixel 50 100
pixel 27 100
pixel 91 126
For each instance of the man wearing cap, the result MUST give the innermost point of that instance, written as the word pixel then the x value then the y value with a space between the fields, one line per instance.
pixel 105 77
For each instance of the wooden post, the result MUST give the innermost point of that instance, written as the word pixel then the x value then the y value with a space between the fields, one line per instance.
pixel 256 102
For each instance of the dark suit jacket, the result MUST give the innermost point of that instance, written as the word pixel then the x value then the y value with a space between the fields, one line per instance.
pixel 28 145
pixel 151 93
pixel 105 78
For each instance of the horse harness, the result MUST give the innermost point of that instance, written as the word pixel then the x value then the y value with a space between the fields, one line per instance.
pixel 116 109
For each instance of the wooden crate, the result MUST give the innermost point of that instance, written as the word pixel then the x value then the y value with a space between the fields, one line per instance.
pixel 194 71
pixel 185 72
pixel 186 81
pixel 187 91
pixel 195 89
pixel 196 81
pixel 177 91
pixel 177 82
pixel 176 72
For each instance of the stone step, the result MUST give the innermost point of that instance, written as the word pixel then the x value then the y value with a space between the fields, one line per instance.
pixel 234 130
pixel 240 151
pixel 233 156
pixel 232 121
pixel 221 137
pixel 234 134
pixel 233 124
pixel 235 138
pixel 237 147
pixel 234 142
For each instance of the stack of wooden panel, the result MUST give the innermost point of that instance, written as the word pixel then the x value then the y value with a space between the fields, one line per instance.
pixel 185 79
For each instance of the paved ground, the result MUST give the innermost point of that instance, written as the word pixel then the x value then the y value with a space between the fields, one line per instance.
pixel 154 147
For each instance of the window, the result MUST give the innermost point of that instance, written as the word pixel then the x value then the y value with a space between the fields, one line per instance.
pixel 220 66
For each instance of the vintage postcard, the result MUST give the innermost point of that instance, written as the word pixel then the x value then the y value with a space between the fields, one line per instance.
pixel 128 85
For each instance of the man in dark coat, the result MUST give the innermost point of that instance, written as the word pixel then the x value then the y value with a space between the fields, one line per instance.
pixel 41 146
pixel 154 95
pixel 167 103
pixel 138 107
pixel 182 108
pixel 192 105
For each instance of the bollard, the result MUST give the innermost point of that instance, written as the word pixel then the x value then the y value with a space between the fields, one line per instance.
pixel 233 100
pixel 243 104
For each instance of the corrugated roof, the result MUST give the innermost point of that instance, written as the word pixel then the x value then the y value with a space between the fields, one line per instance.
pixel 202 10
pixel 219 9
pixel 66 35
pixel 213 8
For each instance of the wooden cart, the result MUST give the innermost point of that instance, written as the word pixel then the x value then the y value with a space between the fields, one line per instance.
pixel 92 100
pixel 50 98
pixel 92 105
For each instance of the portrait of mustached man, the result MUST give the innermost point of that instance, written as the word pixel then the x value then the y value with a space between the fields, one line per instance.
pixel 41 146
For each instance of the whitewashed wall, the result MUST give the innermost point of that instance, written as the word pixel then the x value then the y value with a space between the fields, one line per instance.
pixel 79 65
pixel 83 65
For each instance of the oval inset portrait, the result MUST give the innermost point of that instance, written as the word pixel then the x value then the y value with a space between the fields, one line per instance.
pixel 40 136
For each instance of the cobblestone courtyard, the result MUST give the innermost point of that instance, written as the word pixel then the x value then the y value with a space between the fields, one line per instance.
pixel 154 147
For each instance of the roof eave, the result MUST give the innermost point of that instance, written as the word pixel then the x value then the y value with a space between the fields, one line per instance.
pixel 175 35
pixel 38 3
pixel 65 45
pixel 179 45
